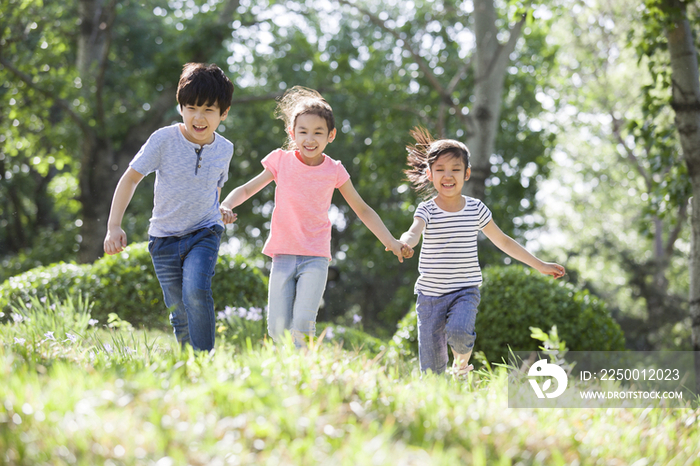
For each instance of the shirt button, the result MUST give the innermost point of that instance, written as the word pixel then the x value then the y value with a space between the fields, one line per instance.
pixel 199 166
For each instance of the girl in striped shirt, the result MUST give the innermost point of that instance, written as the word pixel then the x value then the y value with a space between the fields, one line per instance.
pixel 448 286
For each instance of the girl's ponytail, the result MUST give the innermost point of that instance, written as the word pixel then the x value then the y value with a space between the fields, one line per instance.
pixel 418 159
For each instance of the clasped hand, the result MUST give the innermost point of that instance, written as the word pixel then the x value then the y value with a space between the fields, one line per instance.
pixel 227 215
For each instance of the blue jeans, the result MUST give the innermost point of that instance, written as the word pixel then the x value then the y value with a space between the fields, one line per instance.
pixel 184 266
pixel 294 295
pixel 446 320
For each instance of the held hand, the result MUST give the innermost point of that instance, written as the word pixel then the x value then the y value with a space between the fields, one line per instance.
pixel 227 215
pixel 396 248
pixel 406 250
pixel 555 270
pixel 115 241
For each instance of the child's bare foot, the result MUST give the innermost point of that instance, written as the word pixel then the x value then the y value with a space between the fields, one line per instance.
pixel 461 367
pixel 460 372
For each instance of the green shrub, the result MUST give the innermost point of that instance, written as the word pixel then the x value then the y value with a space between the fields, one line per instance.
pixel 515 298
pixel 405 340
pixel 61 279
pixel 125 284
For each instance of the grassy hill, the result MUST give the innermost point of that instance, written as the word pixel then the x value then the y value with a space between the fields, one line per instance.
pixel 76 392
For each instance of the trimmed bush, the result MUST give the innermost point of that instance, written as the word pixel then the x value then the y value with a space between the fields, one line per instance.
pixel 60 279
pixel 125 284
pixel 515 298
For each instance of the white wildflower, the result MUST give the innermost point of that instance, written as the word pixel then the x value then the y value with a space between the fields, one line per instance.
pixel 254 313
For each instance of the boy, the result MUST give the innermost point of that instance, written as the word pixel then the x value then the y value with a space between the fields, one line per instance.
pixel 191 162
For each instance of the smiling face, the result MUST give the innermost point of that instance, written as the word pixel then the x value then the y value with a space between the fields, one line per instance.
pixel 311 136
pixel 448 174
pixel 200 122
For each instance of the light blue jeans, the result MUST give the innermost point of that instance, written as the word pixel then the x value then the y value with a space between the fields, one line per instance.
pixel 446 320
pixel 294 295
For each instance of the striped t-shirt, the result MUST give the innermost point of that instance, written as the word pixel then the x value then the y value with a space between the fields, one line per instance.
pixel 448 258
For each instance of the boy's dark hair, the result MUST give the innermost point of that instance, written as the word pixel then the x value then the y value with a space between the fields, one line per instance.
pixel 202 84
pixel 301 100
pixel 423 154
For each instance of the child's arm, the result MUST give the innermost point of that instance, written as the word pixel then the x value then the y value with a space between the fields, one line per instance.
pixel 412 236
pixel 242 193
pixel 370 218
pixel 115 240
pixel 511 247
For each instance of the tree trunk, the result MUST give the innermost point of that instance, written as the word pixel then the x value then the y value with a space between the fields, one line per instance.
pixel 492 59
pixel 97 183
pixel 95 179
pixel 686 103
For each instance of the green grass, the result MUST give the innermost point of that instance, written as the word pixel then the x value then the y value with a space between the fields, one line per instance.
pixel 119 396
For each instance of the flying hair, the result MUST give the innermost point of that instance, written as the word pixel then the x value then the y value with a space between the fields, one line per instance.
pixel 425 152
pixel 301 100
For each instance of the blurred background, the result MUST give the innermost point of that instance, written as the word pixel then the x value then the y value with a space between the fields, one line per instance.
pixel 564 105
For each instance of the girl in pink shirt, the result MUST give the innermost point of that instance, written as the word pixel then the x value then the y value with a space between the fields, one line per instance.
pixel 300 231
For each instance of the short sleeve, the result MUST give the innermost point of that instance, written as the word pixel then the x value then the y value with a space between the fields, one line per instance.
pixel 147 160
pixel 272 161
pixel 422 212
pixel 484 215
pixel 224 174
pixel 342 175
pixel 223 178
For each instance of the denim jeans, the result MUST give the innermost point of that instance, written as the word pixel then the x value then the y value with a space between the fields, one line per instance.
pixel 184 266
pixel 295 290
pixel 446 320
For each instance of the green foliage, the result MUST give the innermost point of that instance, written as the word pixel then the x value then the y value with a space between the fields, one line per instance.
pixel 514 299
pixel 125 285
pixel 98 395
pixel 349 338
pixel 48 318
pixel 59 279
pixel 405 340
pixel 241 325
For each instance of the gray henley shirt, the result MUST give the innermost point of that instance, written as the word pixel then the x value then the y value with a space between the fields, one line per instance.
pixel 185 197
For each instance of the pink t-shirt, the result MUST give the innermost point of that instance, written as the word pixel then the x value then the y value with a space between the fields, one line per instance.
pixel 300 223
